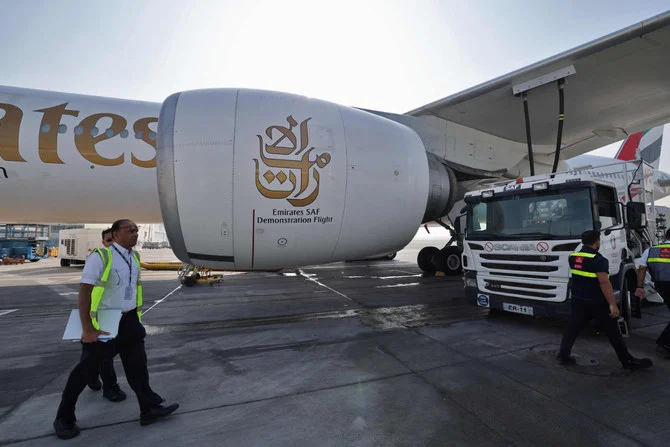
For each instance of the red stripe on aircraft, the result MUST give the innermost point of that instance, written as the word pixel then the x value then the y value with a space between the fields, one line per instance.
pixel 629 148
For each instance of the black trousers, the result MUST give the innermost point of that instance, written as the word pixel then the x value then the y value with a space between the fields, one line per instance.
pixel 105 370
pixel 582 311
pixel 663 289
pixel 129 344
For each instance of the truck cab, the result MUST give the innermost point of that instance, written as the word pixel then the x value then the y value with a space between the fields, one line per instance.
pixel 519 235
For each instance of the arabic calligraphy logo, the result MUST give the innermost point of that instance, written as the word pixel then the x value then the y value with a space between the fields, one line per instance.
pixel 286 156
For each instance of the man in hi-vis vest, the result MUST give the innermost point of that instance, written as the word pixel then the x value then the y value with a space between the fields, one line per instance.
pixel 657 260
pixel 111 280
pixel 592 297
pixel 111 388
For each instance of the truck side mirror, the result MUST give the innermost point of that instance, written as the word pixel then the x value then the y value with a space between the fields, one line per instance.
pixel 636 215
pixel 457 224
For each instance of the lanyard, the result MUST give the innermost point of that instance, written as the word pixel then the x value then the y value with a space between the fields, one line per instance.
pixel 130 266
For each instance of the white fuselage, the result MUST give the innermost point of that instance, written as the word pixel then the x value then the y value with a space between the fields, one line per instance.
pixel 71 158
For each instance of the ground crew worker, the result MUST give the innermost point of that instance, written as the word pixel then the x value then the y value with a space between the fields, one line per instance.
pixel 110 386
pixel 111 281
pixel 592 297
pixel 657 260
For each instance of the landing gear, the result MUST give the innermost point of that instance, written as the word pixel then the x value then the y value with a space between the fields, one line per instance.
pixel 425 259
pixel 447 260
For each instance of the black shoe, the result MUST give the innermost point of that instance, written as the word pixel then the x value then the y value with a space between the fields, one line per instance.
pixel 95 386
pixel 566 360
pixel 65 430
pixel 156 399
pixel 663 351
pixel 636 364
pixel 114 394
pixel 156 413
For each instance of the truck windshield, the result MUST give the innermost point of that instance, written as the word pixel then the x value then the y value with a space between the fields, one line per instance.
pixel 546 215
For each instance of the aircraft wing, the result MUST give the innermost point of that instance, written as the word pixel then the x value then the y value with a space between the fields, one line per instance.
pixel 621 86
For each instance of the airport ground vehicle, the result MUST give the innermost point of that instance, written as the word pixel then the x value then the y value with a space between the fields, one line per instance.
pixel 519 235
pixel 76 244
pixel 190 275
pixel 24 242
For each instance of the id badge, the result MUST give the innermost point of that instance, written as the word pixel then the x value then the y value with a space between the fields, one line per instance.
pixel 128 296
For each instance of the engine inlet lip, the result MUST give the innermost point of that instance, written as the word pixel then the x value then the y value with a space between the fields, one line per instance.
pixel 165 175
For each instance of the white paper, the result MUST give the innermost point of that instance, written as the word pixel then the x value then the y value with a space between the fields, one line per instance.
pixel 108 319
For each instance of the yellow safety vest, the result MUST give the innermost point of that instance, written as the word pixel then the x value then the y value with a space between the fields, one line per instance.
pixel 582 272
pixel 655 251
pixel 658 262
pixel 99 288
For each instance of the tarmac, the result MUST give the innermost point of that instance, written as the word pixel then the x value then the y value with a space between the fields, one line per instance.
pixel 368 353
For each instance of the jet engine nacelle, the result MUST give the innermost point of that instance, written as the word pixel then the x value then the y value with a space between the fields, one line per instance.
pixel 253 179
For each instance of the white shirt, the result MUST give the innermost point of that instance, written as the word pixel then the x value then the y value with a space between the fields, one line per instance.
pixel 645 255
pixel 121 290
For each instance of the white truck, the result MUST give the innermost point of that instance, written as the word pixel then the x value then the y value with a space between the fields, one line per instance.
pixel 519 235
pixel 76 244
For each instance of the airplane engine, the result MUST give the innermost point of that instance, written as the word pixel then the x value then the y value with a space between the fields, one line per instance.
pixel 254 180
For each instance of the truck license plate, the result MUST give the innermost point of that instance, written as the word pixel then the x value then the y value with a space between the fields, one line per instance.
pixel 526 310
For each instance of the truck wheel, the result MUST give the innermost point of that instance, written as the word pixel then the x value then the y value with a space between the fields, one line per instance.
pixel 64 262
pixel 34 260
pixel 626 306
pixel 425 259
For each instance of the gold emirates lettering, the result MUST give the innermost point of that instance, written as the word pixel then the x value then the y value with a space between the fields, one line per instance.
pixel 48 132
pixel 84 141
pixel 142 126
pixel 10 124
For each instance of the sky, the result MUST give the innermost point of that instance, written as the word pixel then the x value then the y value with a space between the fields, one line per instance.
pixel 384 55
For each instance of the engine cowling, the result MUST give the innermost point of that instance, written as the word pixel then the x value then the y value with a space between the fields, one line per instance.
pixel 253 179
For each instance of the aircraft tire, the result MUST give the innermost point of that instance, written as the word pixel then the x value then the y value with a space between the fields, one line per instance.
pixel 450 258
pixel 425 259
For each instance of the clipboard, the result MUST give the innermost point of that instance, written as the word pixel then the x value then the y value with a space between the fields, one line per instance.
pixel 107 318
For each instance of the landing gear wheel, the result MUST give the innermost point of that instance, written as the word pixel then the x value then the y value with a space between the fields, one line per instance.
pixel 450 261
pixel 64 262
pixel 190 281
pixel 425 259
pixel 390 256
